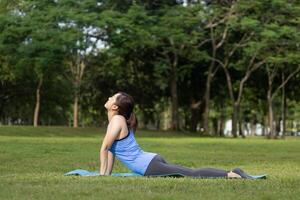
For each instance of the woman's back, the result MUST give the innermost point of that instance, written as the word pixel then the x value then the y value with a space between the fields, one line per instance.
pixel 130 153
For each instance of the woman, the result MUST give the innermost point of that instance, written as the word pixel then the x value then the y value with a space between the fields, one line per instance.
pixel 119 141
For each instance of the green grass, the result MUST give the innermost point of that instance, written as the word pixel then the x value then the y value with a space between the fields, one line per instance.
pixel 33 161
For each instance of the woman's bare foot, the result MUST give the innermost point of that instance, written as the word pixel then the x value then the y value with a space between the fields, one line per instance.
pixel 233 175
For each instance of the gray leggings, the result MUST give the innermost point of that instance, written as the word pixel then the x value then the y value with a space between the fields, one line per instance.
pixel 158 166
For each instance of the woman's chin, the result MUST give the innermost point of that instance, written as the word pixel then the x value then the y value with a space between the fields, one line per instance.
pixel 106 107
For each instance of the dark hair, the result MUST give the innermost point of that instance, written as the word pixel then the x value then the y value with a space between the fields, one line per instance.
pixel 125 105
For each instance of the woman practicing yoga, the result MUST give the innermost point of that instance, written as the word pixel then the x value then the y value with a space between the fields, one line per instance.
pixel 119 141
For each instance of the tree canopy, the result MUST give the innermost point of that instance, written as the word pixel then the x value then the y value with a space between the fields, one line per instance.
pixel 190 65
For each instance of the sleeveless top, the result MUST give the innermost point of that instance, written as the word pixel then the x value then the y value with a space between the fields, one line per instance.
pixel 130 154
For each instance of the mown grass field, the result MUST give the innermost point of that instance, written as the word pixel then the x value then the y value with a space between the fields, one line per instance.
pixel 33 161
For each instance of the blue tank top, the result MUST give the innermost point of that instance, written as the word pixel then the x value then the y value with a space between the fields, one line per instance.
pixel 130 154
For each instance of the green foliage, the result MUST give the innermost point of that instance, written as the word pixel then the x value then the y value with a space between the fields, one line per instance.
pixel 139 47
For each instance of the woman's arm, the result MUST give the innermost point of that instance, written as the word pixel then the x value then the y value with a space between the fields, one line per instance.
pixel 110 163
pixel 113 130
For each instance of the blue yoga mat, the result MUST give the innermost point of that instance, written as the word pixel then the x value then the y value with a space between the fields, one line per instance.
pixel 81 172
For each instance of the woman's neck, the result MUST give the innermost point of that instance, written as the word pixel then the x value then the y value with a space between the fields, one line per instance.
pixel 110 114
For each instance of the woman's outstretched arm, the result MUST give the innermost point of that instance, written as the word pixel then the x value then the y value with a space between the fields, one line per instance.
pixel 113 130
pixel 110 163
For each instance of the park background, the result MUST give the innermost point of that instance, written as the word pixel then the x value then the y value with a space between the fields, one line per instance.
pixel 217 80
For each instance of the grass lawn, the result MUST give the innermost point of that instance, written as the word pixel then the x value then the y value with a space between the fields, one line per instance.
pixel 33 161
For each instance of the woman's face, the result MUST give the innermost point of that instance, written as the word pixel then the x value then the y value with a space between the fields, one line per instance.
pixel 110 103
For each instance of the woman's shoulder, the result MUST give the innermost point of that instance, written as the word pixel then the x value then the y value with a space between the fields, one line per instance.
pixel 118 117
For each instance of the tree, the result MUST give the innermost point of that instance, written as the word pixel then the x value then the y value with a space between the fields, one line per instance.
pixel 240 57
pixel 272 92
pixel 281 41
pixel 178 38
pixel 78 26
pixel 40 50
pixel 217 25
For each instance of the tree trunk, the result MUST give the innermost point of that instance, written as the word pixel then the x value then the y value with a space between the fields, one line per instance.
pixel 174 99
pixel 235 103
pixel 235 117
pixel 157 124
pixel 77 67
pixel 174 96
pixel 207 96
pixel 222 124
pixel 277 127
pixel 37 104
pixel 206 101
pixel 75 111
pixel 240 122
pixel 253 125
pixel 265 124
pixel 206 117
pixel 195 114
pixel 283 109
pixel 270 115
pixel 194 119
pixel 215 123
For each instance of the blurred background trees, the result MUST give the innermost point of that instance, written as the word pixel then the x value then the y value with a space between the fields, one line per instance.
pixel 214 67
